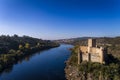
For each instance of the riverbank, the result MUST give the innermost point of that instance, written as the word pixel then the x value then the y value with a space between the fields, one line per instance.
pixel 7 60
pixel 71 69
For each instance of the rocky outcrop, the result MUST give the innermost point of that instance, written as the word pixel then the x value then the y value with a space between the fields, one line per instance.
pixel 72 73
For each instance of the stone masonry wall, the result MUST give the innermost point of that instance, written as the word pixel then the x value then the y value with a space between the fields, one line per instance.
pixel 95 54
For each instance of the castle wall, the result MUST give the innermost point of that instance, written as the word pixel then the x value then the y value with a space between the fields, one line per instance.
pixel 96 54
pixel 94 50
pixel 84 49
pixel 91 52
pixel 95 57
pixel 85 57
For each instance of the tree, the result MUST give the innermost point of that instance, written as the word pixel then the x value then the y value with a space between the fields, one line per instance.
pixel 27 45
pixel 18 52
pixel 21 47
pixel 11 51
pixel 15 35
pixel 38 44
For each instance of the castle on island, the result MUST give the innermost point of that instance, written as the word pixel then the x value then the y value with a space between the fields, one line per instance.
pixel 91 52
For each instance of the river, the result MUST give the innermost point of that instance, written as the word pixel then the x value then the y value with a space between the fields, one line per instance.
pixel 45 65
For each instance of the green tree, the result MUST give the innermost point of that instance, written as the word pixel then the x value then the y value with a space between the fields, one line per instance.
pixel 11 51
pixel 5 58
pixel 27 45
pixel 21 47
pixel 18 52
pixel 38 44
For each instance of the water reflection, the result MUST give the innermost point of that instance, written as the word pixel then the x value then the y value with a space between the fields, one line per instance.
pixel 44 65
pixel 19 61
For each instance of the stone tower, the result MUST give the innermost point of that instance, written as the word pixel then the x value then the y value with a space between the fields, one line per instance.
pixel 91 42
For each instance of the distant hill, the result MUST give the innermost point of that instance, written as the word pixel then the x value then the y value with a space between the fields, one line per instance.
pixel 12 42
pixel 71 40
pixel 84 39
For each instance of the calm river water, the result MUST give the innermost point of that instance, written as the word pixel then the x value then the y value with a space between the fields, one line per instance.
pixel 44 65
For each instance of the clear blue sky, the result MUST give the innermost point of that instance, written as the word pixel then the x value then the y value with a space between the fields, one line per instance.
pixel 57 19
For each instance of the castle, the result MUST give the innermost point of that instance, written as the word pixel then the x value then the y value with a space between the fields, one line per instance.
pixel 91 52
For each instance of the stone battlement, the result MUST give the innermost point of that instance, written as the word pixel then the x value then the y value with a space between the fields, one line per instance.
pixel 91 52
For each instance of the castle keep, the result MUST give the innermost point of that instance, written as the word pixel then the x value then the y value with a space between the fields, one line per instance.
pixel 91 52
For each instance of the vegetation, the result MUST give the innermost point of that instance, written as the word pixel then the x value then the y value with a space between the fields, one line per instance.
pixel 13 48
pixel 73 60
pixel 96 70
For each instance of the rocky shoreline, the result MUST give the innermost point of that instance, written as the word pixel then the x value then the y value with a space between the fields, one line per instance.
pixel 71 73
